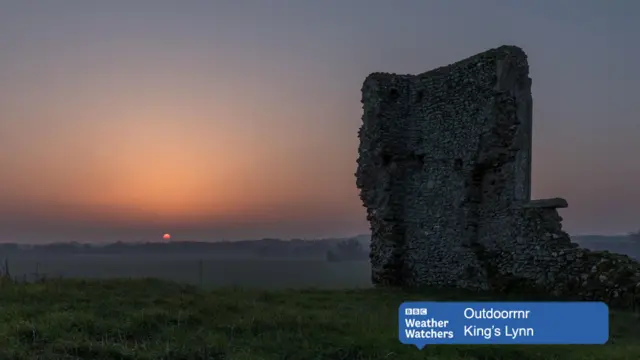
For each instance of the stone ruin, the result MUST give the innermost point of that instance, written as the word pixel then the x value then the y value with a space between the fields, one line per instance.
pixel 444 171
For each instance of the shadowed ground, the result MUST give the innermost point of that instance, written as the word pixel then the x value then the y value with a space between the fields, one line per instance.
pixel 208 271
pixel 150 319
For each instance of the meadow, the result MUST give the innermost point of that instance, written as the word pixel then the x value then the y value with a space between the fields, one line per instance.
pixel 233 308
pixel 155 320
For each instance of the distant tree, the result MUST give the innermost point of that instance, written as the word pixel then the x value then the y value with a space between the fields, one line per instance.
pixel 350 247
pixel 332 256
pixel 347 250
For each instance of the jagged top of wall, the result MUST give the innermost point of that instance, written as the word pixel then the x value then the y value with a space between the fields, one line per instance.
pixel 499 53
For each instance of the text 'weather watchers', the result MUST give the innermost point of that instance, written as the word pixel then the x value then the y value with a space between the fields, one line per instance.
pixel 424 323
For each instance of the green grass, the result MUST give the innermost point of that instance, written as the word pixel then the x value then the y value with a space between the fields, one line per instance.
pixel 149 319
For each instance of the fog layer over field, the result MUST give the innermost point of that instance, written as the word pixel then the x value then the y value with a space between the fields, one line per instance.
pixel 208 271
pixel 266 263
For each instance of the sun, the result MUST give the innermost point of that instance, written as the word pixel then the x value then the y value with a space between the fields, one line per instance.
pixel 166 236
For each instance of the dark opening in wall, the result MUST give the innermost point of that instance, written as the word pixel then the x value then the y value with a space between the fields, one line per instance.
pixel 419 96
pixel 417 158
pixel 386 159
pixel 457 164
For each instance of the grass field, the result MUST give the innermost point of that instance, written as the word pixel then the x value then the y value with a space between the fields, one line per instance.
pixel 152 319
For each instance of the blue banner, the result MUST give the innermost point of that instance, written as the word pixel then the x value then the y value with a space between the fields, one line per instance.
pixel 427 323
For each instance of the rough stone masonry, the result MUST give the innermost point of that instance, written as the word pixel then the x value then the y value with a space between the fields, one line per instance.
pixel 444 171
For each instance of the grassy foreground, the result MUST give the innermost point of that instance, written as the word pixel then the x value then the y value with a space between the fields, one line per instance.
pixel 148 319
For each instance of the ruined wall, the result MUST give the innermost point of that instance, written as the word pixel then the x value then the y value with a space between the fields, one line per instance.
pixel 444 170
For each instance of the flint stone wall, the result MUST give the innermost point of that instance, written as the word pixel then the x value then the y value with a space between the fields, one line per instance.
pixel 444 171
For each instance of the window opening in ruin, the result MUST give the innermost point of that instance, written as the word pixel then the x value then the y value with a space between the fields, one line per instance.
pixel 419 96
pixel 457 164
pixel 386 159
pixel 418 157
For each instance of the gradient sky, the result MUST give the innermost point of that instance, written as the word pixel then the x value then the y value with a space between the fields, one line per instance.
pixel 121 120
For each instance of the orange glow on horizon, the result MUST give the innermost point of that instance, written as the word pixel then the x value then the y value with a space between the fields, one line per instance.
pixel 166 237
pixel 167 152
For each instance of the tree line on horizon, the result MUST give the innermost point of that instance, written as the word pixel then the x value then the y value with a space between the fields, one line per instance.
pixel 333 250
pixel 355 248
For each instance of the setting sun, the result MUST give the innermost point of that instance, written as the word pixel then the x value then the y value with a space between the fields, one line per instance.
pixel 166 236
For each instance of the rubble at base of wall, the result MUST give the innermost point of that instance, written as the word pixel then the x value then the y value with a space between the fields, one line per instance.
pixel 567 270
pixel 542 259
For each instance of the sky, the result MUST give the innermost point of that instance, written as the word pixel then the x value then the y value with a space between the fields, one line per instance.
pixel 212 120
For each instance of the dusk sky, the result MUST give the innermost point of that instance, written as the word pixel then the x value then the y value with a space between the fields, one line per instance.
pixel 210 120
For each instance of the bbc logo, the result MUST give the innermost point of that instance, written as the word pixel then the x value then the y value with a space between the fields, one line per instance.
pixel 415 311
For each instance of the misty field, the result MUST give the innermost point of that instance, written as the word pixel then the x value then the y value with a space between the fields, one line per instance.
pixel 233 308
pixel 207 271
pixel 155 320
